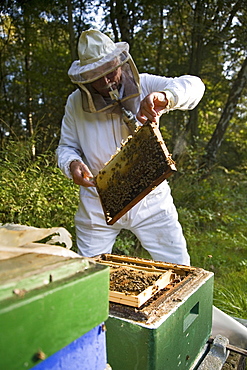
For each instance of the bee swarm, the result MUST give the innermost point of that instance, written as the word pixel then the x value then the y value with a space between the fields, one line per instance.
pixel 141 164
pixel 131 281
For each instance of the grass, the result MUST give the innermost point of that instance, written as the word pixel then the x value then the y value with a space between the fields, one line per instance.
pixel 215 226
pixel 212 212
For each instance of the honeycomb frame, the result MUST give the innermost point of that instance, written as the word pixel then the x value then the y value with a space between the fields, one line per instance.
pixel 140 165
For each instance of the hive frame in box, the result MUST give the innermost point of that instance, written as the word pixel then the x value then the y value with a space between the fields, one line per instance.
pixel 171 329
pixel 141 164
pixel 181 278
pixel 166 274
pixel 137 300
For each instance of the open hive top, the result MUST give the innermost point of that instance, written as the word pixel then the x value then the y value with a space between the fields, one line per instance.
pixel 141 288
pixel 141 164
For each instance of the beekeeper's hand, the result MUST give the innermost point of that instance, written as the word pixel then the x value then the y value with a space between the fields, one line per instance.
pixel 81 174
pixel 151 107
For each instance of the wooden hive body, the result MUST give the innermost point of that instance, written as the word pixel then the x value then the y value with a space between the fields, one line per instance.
pixel 141 164
pixel 169 330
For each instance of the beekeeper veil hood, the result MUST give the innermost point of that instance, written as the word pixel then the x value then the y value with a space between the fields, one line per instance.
pixel 100 56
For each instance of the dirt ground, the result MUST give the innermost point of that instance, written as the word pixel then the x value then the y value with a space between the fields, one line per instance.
pixel 235 362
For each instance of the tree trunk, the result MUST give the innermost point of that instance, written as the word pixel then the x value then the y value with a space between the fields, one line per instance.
pixel 201 25
pixel 28 62
pixel 72 42
pixel 119 11
pixel 161 38
pixel 113 20
pixel 218 135
pixel 196 58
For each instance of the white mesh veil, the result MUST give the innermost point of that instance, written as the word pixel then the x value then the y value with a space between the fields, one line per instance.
pixel 99 56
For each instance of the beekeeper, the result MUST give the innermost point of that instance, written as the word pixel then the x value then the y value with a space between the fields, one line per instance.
pixel 92 130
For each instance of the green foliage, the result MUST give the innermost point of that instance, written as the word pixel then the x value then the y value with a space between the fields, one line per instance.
pixel 212 211
pixel 34 59
pixel 127 244
pixel 35 193
pixel 196 38
pixel 232 298
pixel 37 38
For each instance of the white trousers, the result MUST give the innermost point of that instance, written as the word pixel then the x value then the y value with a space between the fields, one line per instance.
pixel 154 221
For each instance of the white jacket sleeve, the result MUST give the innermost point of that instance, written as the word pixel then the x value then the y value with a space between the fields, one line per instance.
pixel 183 93
pixel 69 148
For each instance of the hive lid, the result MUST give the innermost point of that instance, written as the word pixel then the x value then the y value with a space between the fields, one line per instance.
pixel 21 274
pixel 141 164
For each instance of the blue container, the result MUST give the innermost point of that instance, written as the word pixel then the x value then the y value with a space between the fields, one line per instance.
pixel 85 353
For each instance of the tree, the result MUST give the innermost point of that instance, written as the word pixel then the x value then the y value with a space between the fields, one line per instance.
pixel 212 27
pixel 235 93
pixel 170 38
pixel 72 42
pixel 34 62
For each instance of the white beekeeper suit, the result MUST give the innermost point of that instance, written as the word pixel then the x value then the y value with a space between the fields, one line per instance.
pixel 92 130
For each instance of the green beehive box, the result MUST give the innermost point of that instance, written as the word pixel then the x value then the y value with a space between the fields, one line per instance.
pixel 170 332
pixel 46 302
